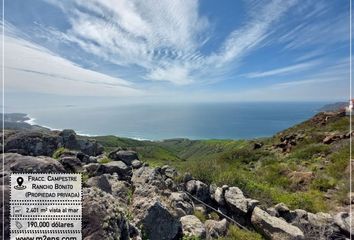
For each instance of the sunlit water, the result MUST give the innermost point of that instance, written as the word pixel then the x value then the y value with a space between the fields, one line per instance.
pixel 194 121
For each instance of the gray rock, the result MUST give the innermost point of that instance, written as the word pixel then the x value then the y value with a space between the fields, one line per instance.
pixel 102 217
pixel 121 190
pixel 84 158
pixel 192 227
pixel 198 189
pixel 93 169
pixel 342 219
pixel 155 219
pixel 272 212
pixel 32 143
pixel 216 229
pixel 100 182
pixel 217 194
pixel 136 164
pixel 90 147
pixel 240 206
pixel 314 226
pixel 187 177
pixel 169 172
pixel 126 156
pixel 92 159
pixel 17 163
pixel 281 208
pixel 71 164
pixel 124 172
pixel 181 203
pixel 44 143
pixel 170 184
pixel 69 140
pixel 146 175
pixel 274 228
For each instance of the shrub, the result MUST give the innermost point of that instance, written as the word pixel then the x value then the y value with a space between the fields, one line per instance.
pixel 200 215
pixel 307 152
pixel 59 152
pixel 235 233
pixel 105 160
pixel 323 183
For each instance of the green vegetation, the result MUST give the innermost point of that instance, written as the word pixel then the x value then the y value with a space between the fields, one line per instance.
pixel 299 178
pixel 235 233
pixel 200 216
pixel 105 159
pixel 59 152
pixel 191 238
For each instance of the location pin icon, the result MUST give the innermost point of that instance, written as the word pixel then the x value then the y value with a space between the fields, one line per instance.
pixel 19 181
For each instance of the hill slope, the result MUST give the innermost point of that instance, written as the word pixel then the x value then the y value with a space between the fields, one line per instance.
pixel 305 166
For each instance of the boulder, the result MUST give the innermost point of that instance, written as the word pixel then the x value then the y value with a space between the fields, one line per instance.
pixel 216 229
pixel 32 143
pixel 146 175
pixel 199 189
pixel 342 219
pixel 274 228
pixel 44 143
pixel 69 140
pixel 155 220
pixel 170 184
pixel 93 169
pixel 90 147
pixel 126 156
pixel 181 203
pixel 192 227
pixel 314 226
pixel 257 145
pixel 136 164
pixel 71 164
pixel 68 137
pixel 84 158
pixel 217 194
pixel 121 190
pixel 124 172
pixel 240 206
pixel 17 163
pixel 102 217
pixel 187 177
pixel 121 169
pixel 101 182
pixel 169 172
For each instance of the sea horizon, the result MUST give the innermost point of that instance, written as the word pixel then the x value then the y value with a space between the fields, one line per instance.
pixel 156 122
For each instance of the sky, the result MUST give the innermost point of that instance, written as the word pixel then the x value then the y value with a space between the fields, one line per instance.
pixel 127 51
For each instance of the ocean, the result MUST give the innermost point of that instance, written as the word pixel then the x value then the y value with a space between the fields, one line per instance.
pixel 166 121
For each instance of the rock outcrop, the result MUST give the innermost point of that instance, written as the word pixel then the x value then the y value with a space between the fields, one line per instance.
pixel 273 227
pixel 193 227
pixel 216 229
pixel 102 217
pixel 44 143
pixel 126 199
pixel 125 156
pixel 240 206
pixel 17 163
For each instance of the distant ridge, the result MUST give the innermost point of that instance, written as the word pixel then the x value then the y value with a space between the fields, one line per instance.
pixel 333 107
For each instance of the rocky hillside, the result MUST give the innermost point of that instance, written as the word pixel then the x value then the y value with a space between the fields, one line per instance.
pixel 305 166
pixel 129 192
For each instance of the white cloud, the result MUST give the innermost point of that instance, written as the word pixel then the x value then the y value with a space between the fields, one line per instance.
pixel 31 68
pixel 164 39
pixel 284 70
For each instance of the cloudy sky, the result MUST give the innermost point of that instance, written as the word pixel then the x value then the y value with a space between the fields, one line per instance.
pixel 181 50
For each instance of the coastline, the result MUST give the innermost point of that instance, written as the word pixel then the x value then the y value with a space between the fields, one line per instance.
pixel 200 122
pixel 32 122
